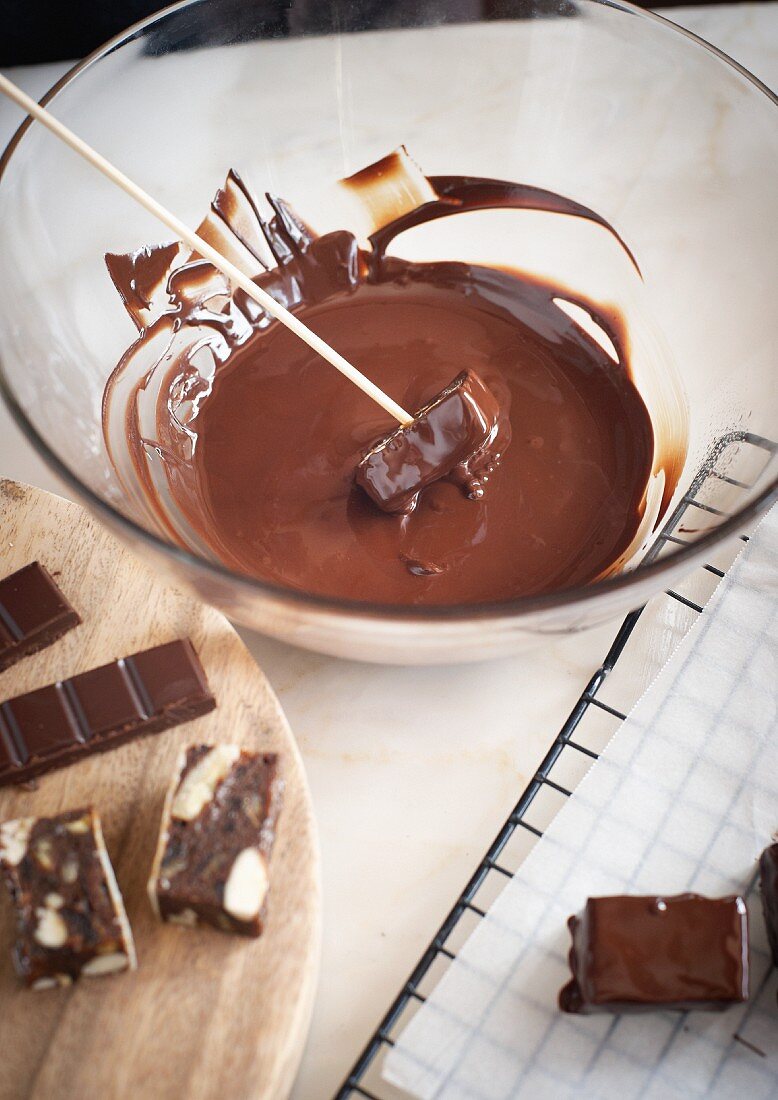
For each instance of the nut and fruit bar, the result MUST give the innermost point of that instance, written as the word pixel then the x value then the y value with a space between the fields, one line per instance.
pixel 637 954
pixel 70 917
pixel 217 833
pixel 33 613
pixel 101 709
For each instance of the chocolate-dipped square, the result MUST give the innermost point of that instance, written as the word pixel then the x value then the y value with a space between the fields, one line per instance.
pixel 453 436
pixel 633 954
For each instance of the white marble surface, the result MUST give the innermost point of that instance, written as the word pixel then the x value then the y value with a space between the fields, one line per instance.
pixel 412 771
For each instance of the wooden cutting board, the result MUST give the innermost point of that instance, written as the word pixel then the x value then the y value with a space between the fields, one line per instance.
pixel 207 1015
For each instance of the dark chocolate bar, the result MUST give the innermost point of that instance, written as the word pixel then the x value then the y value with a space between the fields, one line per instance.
pixel 216 837
pixel 101 709
pixel 33 613
pixel 635 954
pixel 70 916
pixel 768 879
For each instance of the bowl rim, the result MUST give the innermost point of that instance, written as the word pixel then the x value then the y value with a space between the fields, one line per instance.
pixel 443 614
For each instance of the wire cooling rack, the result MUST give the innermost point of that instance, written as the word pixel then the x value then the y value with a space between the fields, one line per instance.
pixel 740 453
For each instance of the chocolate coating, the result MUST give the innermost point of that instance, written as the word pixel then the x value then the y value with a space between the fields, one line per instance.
pixel 635 954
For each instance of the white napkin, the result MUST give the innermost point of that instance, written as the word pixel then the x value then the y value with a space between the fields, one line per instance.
pixel 685 797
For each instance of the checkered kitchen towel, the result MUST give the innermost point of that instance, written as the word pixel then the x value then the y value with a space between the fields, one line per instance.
pixel 684 798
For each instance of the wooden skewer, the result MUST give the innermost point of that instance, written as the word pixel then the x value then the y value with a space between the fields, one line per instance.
pixel 207 251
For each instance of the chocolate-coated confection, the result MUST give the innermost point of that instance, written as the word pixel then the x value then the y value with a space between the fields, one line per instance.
pixel 70 917
pixel 455 436
pixel 256 440
pixel 768 880
pixel 217 833
pixel 101 709
pixel 634 954
pixel 33 613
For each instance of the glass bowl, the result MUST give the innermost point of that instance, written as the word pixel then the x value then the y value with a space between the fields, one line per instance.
pixel 669 140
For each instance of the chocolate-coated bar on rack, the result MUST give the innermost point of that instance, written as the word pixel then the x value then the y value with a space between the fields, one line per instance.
pixel 101 709
pixel 637 954
pixel 33 613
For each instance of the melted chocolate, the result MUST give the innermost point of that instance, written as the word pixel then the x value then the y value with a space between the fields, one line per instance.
pixel 253 457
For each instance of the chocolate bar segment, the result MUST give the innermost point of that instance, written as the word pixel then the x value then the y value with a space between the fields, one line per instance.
pixel 101 709
pixel 768 880
pixel 70 915
pixel 33 613
pixel 217 833
pixel 635 954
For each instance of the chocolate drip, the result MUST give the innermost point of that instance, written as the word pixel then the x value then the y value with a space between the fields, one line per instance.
pixel 459 193
pixel 308 269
